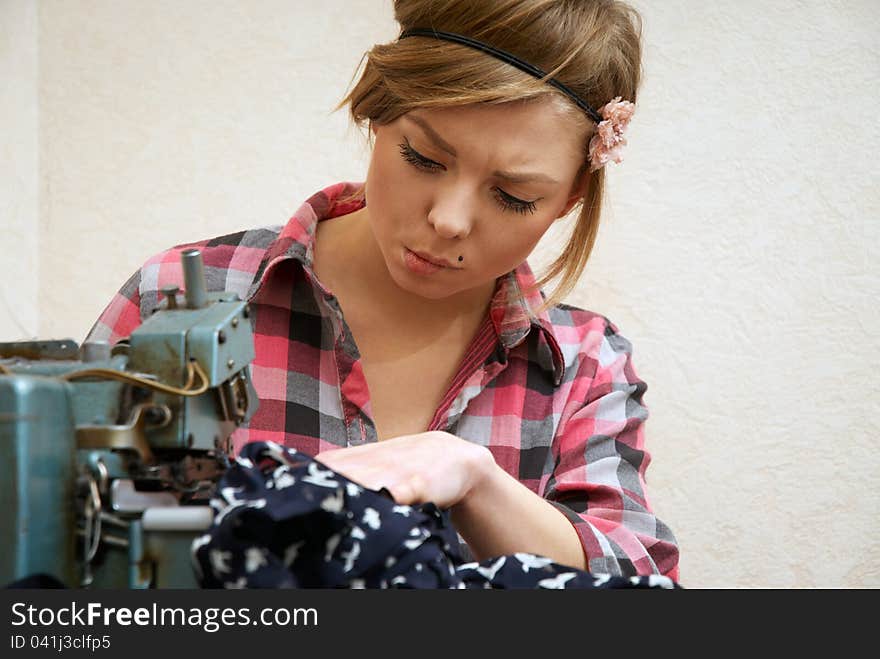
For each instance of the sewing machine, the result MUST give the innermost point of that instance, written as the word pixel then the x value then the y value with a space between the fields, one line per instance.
pixel 110 455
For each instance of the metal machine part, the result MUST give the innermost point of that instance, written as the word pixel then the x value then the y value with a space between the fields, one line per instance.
pixel 113 453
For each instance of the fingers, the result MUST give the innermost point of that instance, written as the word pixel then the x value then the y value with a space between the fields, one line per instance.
pixel 371 475
pixel 414 469
pixel 409 491
pixel 404 488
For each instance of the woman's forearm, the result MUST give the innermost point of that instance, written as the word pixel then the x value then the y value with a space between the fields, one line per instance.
pixel 502 516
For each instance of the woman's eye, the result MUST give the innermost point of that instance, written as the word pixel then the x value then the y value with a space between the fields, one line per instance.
pixel 507 201
pixel 416 159
pixel 510 203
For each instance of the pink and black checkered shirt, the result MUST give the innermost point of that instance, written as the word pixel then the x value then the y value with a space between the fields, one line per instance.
pixel 553 396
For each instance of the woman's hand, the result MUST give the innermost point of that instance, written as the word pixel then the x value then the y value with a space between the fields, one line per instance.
pixel 430 466
pixel 490 509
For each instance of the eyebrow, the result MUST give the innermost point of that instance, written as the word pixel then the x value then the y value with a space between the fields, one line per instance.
pixel 524 177
pixel 430 132
pixel 513 177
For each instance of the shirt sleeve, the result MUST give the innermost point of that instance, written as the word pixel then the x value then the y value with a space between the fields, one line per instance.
pixel 121 316
pixel 598 481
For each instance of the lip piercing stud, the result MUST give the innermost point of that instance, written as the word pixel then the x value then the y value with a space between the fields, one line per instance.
pixel 460 259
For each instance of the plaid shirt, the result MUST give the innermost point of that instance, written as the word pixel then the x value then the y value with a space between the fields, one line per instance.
pixel 553 396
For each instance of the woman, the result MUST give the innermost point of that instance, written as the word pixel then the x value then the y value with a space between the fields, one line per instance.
pixel 401 337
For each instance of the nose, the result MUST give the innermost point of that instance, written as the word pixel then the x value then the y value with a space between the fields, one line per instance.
pixel 453 212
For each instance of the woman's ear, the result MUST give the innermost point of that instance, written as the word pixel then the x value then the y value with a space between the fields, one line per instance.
pixel 578 190
pixel 568 206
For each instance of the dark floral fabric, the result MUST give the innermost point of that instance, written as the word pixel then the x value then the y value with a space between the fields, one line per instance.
pixel 284 520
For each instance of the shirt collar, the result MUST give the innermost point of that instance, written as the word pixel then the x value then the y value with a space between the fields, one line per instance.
pixel 516 309
pixel 513 305
pixel 297 238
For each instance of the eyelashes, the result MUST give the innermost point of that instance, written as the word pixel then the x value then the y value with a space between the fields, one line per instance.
pixel 415 158
pixel 507 201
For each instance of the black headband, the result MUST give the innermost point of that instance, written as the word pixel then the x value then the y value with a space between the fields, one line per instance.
pixel 504 56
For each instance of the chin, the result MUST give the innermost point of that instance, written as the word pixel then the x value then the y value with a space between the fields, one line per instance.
pixel 427 289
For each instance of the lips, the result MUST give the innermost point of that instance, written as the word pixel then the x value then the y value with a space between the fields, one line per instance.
pixel 424 265
pixel 443 263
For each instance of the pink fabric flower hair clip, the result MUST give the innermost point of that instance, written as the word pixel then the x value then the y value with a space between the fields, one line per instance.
pixel 608 141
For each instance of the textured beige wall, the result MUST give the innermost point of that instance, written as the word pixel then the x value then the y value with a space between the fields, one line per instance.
pixel 737 252
pixel 19 179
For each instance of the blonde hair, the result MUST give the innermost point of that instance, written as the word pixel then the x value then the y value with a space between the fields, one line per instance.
pixel 592 46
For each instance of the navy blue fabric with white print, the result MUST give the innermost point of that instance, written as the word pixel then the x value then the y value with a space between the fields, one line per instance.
pixel 284 520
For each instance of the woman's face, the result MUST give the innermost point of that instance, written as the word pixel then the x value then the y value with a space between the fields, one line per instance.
pixel 479 182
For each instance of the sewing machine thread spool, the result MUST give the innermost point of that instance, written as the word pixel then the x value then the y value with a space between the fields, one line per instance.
pixel 194 278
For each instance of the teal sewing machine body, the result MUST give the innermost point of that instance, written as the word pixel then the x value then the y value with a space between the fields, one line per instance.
pixel 110 456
